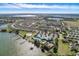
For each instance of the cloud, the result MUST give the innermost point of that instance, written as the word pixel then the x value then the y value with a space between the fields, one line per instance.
pixel 8 6
pixel 53 8
pixel 54 12
pixel 23 5
pixel 47 6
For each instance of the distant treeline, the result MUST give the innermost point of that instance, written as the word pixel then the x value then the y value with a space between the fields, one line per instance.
pixel 71 19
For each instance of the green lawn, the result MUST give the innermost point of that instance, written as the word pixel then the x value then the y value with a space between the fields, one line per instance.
pixel 63 48
pixel 22 33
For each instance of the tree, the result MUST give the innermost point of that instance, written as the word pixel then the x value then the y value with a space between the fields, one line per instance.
pixel 17 31
pixel 55 49
pixel 24 36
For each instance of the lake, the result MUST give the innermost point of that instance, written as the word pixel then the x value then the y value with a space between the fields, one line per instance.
pixel 13 45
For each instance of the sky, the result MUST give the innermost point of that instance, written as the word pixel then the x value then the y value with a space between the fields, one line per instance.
pixel 39 8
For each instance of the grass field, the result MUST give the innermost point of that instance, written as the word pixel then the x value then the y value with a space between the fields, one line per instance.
pixel 63 48
pixel 22 33
pixel 72 23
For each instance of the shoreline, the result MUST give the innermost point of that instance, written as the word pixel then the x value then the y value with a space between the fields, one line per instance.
pixel 23 47
pixel 26 44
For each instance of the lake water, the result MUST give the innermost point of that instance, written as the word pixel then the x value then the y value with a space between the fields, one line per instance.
pixel 13 45
pixel 7 45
